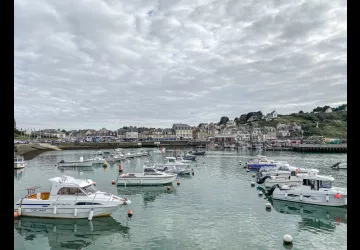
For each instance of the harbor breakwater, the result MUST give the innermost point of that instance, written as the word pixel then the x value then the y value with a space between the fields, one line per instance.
pixel 31 150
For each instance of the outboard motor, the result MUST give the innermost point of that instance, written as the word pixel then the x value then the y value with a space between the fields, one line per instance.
pixel 271 190
pixel 62 161
pixel 262 180
pixel 336 165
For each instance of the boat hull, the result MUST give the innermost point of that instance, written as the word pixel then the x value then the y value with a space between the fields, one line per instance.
pixel 19 165
pixel 67 213
pixel 254 166
pixel 146 181
pixel 314 198
pixel 76 164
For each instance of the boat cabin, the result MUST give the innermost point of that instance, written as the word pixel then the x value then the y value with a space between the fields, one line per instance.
pixel 170 159
pixel 151 171
pixel 316 182
pixel 64 186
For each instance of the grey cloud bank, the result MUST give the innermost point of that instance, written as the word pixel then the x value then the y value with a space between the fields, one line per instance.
pixel 93 64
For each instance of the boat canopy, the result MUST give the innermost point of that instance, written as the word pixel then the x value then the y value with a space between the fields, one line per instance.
pixel 71 181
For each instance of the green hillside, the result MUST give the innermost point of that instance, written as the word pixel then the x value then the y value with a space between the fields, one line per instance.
pixel 332 125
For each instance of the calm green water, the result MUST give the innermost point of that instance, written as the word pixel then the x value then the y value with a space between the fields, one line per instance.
pixel 214 209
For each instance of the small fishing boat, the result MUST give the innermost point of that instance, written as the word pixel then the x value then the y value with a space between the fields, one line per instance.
pixel 314 189
pixel 96 160
pixel 80 163
pixel 260 161
pixel 181 160
pixel 172 169
pixel 69 198
pixel 289 180
pixel 190 157
pixel 149 177
pixel 339 165
pixel 19 162
pixel 197 152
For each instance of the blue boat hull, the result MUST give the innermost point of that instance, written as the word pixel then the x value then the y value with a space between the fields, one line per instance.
pixel 255 166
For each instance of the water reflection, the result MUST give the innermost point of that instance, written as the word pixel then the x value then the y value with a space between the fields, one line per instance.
pixel 313 216
pixel 69 234
pixel 149 194
pixel 18 173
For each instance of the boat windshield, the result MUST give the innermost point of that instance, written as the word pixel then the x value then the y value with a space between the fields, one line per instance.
pixel 91 189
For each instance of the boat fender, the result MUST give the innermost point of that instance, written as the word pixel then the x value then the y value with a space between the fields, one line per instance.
pixel 327 198
pixel 301 197
pixel 286 195
pixel 55 209
pixel 75 212
pixel 91 214
pixel 345 201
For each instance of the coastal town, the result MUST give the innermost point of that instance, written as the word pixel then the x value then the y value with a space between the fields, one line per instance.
pixel 246 131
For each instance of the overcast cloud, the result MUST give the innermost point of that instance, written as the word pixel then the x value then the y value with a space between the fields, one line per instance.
pixel 110 63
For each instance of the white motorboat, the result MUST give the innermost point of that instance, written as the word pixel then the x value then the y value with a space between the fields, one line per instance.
pixel 340 165
pixel 149 177
pixel 314 189
pixel 259 162
pixel 69 198
pixel 289 180
pixel 19 162
pixel 96 160
pixel 80 163
pixel 181 160
pixel 99 152
pixel 119 156
pixel 173 169
pixel 280 169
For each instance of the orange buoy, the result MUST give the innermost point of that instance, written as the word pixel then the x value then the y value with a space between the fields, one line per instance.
pixel 178 183
pixel 337 196
pixel 113 182
pixel 168 188
pixel 120 168
pixel 130 213
pixel 16 214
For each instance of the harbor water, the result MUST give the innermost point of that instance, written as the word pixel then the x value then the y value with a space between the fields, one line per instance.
pixel 215 209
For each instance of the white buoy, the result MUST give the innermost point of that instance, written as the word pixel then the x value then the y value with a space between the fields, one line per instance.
pixel 285 195
pixel 253 184
pixel 345 202
pixel 260 193
pixel 91 214
pixel 301 197
pixel 91 226
pixel 327 198
pixel 287 239
pixel 268 206
pixel 247 170
pixel 75 228
pixel 55 209
pixel 75 212
pixel 19 211
pixel 81 159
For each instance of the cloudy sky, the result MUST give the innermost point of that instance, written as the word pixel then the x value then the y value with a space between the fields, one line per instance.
pixel 110 63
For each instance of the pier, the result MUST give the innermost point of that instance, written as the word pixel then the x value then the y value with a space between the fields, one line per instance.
pixel 321 148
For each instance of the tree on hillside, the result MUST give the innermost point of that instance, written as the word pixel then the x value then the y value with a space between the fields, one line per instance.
pixel 318 109
pixel 340 108
pixel 224 120
pixel 301 112
pixel 248 115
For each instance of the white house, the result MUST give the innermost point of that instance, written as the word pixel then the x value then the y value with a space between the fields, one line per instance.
pixel 272 115
pixel 182 131
pixel 328 110
pixel 132 135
